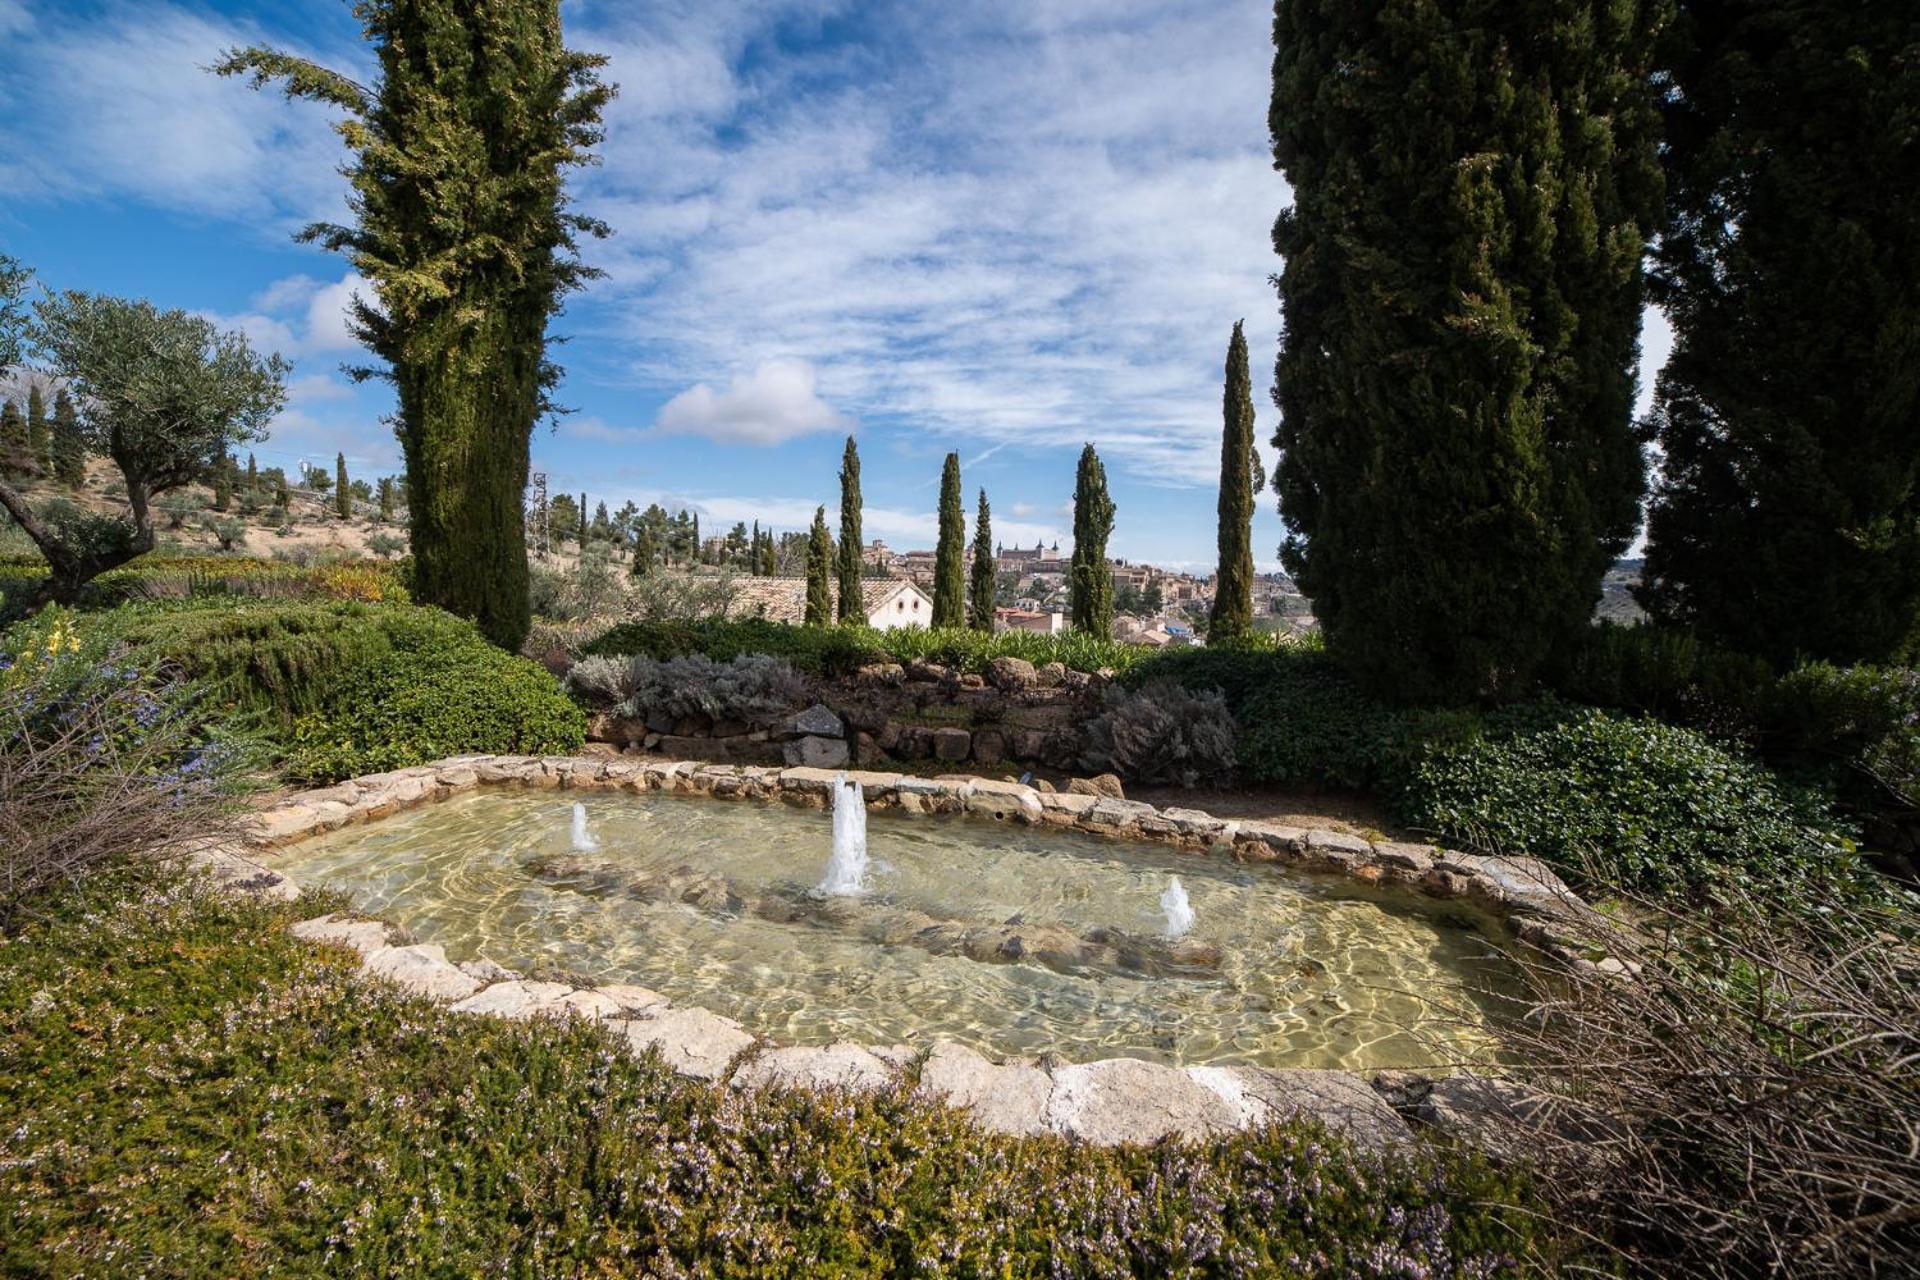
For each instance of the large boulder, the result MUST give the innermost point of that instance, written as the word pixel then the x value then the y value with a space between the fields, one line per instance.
pixel 1006 1097
pixel 989 746
pixel 1011 675
pixel 1127 1100
pixel 952 744
pixel 817 753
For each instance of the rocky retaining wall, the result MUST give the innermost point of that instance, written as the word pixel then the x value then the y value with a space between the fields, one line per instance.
pixel 1116 1100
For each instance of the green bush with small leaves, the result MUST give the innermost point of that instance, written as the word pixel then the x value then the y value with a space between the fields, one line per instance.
pixel 1635 802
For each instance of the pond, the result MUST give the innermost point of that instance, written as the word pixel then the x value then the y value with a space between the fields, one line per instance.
pixel 1014 940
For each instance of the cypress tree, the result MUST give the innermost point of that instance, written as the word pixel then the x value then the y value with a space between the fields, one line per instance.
pixel 1090 577
pixel 13 438
pixel 949 556
pixel 819 572
pixel 1787 521
pixel 39 442
pixel 386 499
pixel 646 549
pixel 580 534
pixel 753 551
pixel 1232 615
pixel 69 445
pixel 769 557
pixel 342 492
pixel 223 473
pixel 853 607
pixel 253 477
pixel 1474 185
pixel 460 147
pixel 980 594
pixel 281 497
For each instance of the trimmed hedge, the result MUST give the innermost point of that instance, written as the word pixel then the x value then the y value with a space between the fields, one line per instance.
pixel 841 650
pixel 327 691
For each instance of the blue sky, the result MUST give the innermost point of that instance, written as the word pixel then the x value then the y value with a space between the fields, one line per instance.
pixel 1003 227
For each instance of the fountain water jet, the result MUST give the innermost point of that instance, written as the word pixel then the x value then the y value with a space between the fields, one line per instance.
pixel 583 841
pixel 1179 910
pixel 847 869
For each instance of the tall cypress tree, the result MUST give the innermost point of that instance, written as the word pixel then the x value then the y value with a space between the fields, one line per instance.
pixel 853 607
pixel 223 473
pixel 580 534
pixel 342 492
pixel 1787 520
pixel 980 588
pixel 1474 184
pixel 13 439
pixel 385 498
pixel 253 477
pixel 1240 479
pixel 39 437
pixel 69 445
pixel 459 150
pixel 819 572
pixel 1090 577
pixel 949 556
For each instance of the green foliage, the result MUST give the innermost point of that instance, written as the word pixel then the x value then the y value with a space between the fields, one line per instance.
pixel 752 687
pixel 39 433
pixel 248 1105
pixel 465 232
pixel 819 572
pixel 980 587
pixel 949 581
pixel 14 456
pixel 167 395
pixel 1473 188
pixel 851 564
pixel 342 488
pixel 1240 479
pixel 230 534
pixel 69 444
pixel 338 689
pixel 1787 523
pixel 836 651
pixel 1090 579
pixel 1632 802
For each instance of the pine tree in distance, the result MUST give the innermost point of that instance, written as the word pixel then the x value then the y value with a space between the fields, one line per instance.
pixel 69 445
pixel 1090 583
pixel 980 587
pixel 1240 479
pixel 39 436
pixel 13 438
pixel 819 572
pixel 949 556
pixel 853 606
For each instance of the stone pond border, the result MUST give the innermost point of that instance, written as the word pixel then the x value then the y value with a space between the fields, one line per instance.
pixel 1111 1101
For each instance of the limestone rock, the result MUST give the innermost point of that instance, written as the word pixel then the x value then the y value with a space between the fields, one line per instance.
pixel 1003 1097
pixel 514 999
pixel 422 969
pixel 1509 1120
pixel 881 673
pixel 1342 1102
pixel 632 999
pixel 1124 1100
pixel 1010 675
pixel 1105 784
pixel 817 720
pixel 998 799
pixel 836 1066
pixel 364 936
pixel 817 753
pixel 694 1042
pixel 487 971
pixel 1051 675
pixel 952 744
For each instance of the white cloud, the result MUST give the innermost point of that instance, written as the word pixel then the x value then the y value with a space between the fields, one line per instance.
pixel 773 404
pixel 300 316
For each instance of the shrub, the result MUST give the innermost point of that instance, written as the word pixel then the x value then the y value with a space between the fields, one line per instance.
pixel 230 534
pixel 1758 1083
pixel 1162 732
pixel 421 703
pixel 98 764
pixel 836 651
pixel 384 545
pixel 752 687
pixel 1628 801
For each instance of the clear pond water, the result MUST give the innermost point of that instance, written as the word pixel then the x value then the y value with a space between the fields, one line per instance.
pixel 1015 940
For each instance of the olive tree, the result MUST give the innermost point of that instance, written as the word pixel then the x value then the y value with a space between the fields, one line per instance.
pixel 164 394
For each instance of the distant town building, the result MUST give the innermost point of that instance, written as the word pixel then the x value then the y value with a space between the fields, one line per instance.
pixel 890 602
pixel 1042 622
